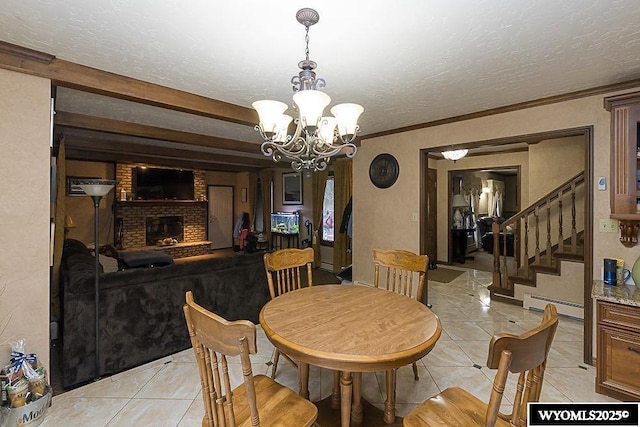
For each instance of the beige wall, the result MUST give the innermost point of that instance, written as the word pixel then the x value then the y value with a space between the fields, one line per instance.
pixel 25 213
pixel 383 218
pixel 552 162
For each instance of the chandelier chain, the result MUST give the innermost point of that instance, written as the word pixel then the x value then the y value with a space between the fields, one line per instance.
pixel 306 39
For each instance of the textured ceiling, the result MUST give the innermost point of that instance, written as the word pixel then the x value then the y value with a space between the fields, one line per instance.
pixel 407 62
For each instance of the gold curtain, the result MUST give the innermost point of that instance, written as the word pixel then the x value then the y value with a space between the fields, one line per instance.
pixel 60 217
pixel 343 185
pixel 251 198
pixel 266 183
pixel 318 182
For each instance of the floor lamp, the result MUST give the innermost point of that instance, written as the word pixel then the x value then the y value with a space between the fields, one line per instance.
pixel 96 189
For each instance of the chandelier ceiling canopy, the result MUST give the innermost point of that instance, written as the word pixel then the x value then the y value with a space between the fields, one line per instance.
pixel 316 138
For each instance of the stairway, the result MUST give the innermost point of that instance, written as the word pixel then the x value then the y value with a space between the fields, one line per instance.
pixel 555 273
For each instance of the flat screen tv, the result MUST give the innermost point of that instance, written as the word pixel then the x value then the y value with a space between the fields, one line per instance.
pixel 285 223
pixel 163 184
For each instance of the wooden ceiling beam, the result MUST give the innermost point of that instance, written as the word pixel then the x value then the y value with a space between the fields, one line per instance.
pixel 82 121
pixel 68 74
pixel 109 146
pixel 81 154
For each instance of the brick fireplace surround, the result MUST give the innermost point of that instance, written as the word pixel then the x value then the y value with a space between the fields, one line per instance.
pixel 133 214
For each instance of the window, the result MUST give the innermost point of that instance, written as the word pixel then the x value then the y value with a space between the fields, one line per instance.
pixel 328 216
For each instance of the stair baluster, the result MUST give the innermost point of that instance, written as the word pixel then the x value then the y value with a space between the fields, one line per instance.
pixel 503 283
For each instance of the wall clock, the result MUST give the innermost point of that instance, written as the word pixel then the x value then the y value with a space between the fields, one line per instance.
pixel 384 170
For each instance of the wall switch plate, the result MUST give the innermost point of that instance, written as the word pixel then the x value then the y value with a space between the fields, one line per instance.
pixel 608 225
pixel 414 216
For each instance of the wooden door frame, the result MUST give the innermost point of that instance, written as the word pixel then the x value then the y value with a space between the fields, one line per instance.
pixel 587 133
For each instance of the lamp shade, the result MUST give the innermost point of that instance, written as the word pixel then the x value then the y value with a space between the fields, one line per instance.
pixel 270 114
pixel 311 104
pixel 68 222
pixel 96 187
pixel 459 201
pixel 282 128
pixel 347 116
pixel 327 129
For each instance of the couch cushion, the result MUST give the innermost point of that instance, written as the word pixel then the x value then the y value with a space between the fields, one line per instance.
pixel 146 259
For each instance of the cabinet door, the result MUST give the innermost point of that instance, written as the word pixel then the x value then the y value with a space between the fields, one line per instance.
pixel 619 362
pixel 625 163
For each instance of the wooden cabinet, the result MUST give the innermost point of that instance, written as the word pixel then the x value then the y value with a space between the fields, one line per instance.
pixel 618 357
pixel 625 164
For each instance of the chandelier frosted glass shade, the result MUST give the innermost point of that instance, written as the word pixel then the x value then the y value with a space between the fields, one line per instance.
pixel 316 138
pixel 454 154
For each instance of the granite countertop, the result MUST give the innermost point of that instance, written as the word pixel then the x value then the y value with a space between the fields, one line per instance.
pixel 621 294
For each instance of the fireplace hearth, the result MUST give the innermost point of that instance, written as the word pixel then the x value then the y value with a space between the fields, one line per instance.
pixel 163 227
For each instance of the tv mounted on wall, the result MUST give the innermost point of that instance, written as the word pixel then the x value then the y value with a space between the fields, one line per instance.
pixel 163 184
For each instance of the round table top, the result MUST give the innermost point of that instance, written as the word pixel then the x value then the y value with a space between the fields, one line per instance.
pixel 350 327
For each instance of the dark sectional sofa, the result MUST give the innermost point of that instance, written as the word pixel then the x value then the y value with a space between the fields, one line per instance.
pixel 141 317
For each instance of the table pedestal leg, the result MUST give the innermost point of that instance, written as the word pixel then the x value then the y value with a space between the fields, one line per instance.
pixel 335 395
pixel 345 399
pixel 356 410
pixel 390 403
pixel 303 370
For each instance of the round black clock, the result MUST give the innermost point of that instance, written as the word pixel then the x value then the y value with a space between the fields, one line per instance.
pixel 384 170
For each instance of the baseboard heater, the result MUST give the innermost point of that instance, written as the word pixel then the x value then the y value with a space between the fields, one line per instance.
pixel 565 308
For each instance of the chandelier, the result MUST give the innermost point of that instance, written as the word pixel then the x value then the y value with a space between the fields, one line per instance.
pixel 454 154
pixel 317 138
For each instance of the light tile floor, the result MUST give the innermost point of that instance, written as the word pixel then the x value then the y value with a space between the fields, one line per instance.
pixel 166 392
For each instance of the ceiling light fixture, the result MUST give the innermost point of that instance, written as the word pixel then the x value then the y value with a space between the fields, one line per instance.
pixel 316 138
pixel 454 155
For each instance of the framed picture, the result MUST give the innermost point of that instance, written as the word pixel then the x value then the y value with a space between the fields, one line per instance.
pixel 73 189
pixel 243 194
pixel 292 188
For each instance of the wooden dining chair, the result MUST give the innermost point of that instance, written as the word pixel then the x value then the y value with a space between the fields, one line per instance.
pixel 259 400
pixel 286 270
pixel 525 355
pixel 402 272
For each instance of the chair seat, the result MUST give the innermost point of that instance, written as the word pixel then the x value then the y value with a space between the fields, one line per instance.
pixel 452 407
pixel 277 405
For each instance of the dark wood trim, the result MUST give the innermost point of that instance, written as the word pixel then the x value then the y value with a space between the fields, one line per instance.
pixel 514 107
pixel 68 74
pixel 82 121
pixel 123 148
pixel 532 138
pixel 25 53
pixel 588 244
pixel 84 155
pixel 106 145
pixel 624 99
pixel 424 165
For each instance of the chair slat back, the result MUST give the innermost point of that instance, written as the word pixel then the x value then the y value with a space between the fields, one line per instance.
pixel 525 355
pixel 287 266
pixel 402 271
pixel 213 339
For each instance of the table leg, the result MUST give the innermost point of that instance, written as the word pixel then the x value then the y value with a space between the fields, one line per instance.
pixel 335 396
pixel 345 400
pixel 303 370
pixel 356 410
pixel 390 403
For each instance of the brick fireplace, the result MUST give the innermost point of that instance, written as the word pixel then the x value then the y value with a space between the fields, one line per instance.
pixel 134 216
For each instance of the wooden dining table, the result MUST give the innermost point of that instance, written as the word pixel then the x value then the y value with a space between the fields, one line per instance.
pixel 350 329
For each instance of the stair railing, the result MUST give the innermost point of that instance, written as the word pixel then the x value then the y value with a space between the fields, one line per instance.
pixel 550 204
